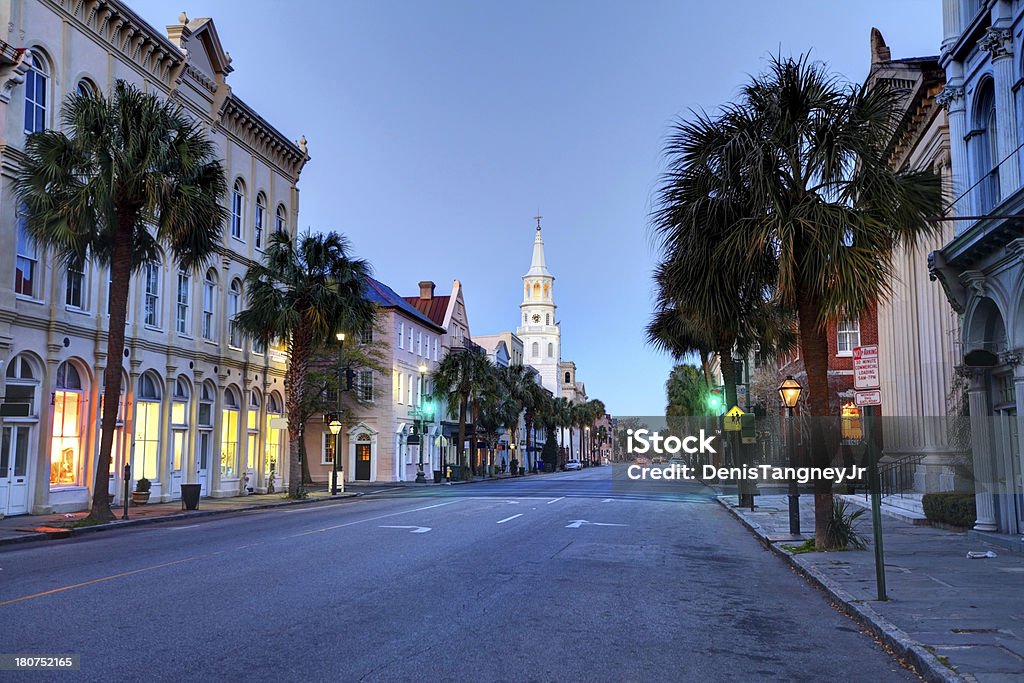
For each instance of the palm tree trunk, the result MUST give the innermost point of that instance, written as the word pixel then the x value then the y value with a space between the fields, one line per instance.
pixel 528 419
pixel 120 280
pixel 814 350
pixel 294 384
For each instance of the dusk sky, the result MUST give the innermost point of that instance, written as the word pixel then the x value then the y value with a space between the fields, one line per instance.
pixel 438 129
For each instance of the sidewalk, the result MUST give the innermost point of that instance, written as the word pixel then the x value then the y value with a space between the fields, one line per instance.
pixel 953 618
pixel 61 525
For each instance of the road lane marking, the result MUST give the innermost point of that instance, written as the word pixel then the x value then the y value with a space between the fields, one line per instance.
pixel 555 500
pixel 509 519
pixel 176 528
pixel 415 529
pixel 371 519
pixel 607 500
pixel 577 523
pixel 92 581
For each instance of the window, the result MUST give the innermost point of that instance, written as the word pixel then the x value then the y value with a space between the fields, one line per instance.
pixel 181 317
pixel 366 337
pixel 847 337
pixel 273 446
pixel 152 317
pixel 547 319
pixel 983 149
pixel 209 298
pixel 261 210
pixel 535 349
pixel 205 420
pixel 327 454
pixel 401 335
pixel 366 385
pixel 259 346
pixel 74 288
pixel 419 343
pixel 66 447
pixel 25 268
pixel 86 88
pixel 252 425
pixel 567 378
pixel 147 428
pixel 408 388
pixel 229 434
pixel 179 424
pixel 551 350
pixel 280 219
pixel 237 207
pixel 435 348
pixel 36 86
pixel 234 301
pixel 401 387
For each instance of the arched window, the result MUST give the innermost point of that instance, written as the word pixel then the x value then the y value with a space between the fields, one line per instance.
pixel 273 448
pixel 20 396
pixel 983 149
pixel 86 88
pixel 536 290
pixel 547 291
pixel 234 306
pixel 551 350
pixel 75 289
pixel 252 425
pixel 66 446
pixel 261 211
pixel 37 84
pixel 179 424
pixel 237 208
pixel 229 434
pixel 209 301
pixel 204 434
pixel 25 269
pixel 280 219
pixel 568 378
pixel 536 349
pixel 147 428
pixel 152 303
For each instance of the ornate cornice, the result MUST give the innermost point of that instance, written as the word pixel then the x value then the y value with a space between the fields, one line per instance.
pixel 947 276
pixel 240 119
pixel 976 281
pixel 997 41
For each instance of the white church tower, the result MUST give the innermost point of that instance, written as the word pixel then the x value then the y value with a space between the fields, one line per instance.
pixel 540 332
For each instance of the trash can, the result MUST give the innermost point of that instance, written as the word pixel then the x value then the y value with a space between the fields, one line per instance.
pixel 190 496
pixel 437 476
pixel 522 471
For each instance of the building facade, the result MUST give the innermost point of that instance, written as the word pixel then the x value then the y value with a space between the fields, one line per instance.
pixel 539 329
pixel 199 404
pixel 981 269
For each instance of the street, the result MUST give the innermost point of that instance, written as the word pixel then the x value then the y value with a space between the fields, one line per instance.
pixel 545 578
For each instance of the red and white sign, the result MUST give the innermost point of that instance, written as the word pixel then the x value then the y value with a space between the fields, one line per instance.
pixel 865 367
pixel 872 397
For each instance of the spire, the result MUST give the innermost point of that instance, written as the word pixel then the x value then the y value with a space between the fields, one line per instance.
pixel 537 264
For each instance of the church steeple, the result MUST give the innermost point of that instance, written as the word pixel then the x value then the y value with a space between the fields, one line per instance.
pixel 537 264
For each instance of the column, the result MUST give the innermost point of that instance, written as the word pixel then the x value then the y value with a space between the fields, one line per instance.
pixel 952 98
pixel 981 446
pixel 950 23
pixel 998 42
pixel 191 463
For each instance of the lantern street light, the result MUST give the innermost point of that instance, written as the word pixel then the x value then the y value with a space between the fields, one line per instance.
pixel 420 477
pixel 789 392
pixel 335 423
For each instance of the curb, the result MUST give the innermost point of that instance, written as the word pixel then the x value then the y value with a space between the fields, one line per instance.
pixel 927 664
pixel 175 517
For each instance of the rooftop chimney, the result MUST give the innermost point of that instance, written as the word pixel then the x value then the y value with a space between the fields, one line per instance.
pixel 427 290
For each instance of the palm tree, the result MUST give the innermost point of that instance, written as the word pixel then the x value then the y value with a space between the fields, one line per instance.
pixel 129 179
pixel 463 373
pixel 534 401
pixel 304 292
pixel 596 410
pixel 809 156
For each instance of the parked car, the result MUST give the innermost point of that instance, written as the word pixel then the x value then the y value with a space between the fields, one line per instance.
pixel 572 465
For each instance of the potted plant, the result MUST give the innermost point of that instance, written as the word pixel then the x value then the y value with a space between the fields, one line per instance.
pixel 140 496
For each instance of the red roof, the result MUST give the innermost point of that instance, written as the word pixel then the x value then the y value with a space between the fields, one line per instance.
pixel 434 308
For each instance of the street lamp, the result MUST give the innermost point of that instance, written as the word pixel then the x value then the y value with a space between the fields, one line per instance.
pixel 789 392
pixel 420 477
pixel 335 423
pixel 512 459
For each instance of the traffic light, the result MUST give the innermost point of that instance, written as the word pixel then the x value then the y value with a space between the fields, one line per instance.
pixel 715 401
pixel 428 408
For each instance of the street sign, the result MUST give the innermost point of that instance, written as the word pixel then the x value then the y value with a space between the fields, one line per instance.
pixel 865 367
pixel 869 398
pixel 732 420
pixel 441 441
pixel 743 396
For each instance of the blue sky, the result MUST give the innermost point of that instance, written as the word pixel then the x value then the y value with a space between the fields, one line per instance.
pixel 437 129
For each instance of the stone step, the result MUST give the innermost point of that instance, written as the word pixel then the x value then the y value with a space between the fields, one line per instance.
pixel 889 510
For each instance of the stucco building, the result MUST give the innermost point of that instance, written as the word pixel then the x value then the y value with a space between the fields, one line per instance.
pixel 199 403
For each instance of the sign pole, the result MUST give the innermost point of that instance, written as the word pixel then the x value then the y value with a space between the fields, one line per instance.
pixel 866 382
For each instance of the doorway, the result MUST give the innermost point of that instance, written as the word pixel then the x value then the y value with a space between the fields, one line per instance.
pixel 14 470
pixel 362 462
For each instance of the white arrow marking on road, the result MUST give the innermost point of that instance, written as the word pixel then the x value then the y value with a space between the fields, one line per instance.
pixel 607 500
pixel 555 500
pixel 509 519
pixel 512 502
pixel 415 529
pixel 577 523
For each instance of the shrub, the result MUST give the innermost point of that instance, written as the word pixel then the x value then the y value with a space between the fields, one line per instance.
pixel 841 532
pixel 143 485
pixel 956 509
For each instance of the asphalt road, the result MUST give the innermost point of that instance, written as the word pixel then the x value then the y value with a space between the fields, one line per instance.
pixel 553 578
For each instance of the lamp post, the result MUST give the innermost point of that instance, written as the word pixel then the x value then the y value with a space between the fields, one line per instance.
pixel 420 477
pixel 335 424
pixel 789 392
pixel 512 458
